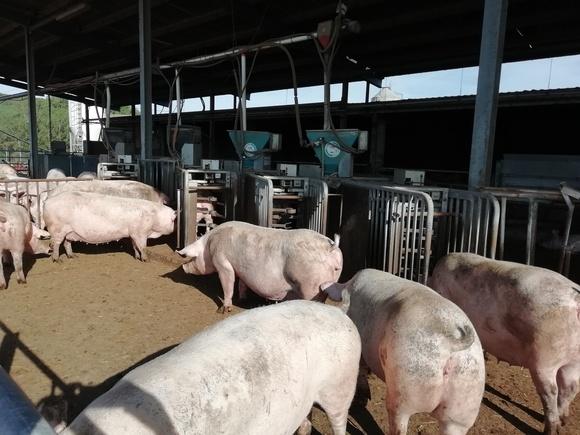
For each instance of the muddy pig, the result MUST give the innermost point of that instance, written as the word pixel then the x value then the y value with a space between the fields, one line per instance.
pixel 525 315
pixel 422 345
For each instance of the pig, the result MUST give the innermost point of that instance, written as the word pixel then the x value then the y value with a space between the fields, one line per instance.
pixel 87 175
pixel 274 263
pixel 55 173
pixel 18 235
pixel 95 218
pixel 7 171
pixel 525 315
pixel 122 188
pixel 422 345
pixel 257 372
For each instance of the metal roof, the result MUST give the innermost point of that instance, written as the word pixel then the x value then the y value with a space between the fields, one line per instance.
pixel 75 39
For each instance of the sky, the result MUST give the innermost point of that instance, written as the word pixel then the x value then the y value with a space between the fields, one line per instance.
pixel 551 73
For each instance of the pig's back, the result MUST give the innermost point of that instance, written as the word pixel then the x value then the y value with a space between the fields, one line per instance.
pixel 257 372
pixel 392 312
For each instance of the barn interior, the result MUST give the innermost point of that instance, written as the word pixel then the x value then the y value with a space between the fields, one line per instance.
pixel 403 182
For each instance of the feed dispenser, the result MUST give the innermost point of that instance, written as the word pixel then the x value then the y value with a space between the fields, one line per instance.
pixel 334 149
pixel 254 147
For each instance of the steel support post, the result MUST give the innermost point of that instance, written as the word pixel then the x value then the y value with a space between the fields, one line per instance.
pixel 31 81
pixel 490 59
pixel 326 106
pixel 243 80
pixel 145 78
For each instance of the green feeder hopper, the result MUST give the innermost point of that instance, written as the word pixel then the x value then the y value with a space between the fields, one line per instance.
pixel 334 149
pixel 253 147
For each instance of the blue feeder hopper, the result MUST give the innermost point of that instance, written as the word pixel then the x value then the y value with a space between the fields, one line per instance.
pixel 334 149
pixel 253 147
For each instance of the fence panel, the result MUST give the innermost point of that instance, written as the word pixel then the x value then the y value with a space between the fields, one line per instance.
pixel 31 193
pixel 400 229
pixel 258 199
pixel 317 205
pixel 161 174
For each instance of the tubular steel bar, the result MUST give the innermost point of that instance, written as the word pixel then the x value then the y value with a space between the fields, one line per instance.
pixel 567 193
pixel 145 78
pixel 31 81
pixel 400 230
pixel 533 198
pixel 490 59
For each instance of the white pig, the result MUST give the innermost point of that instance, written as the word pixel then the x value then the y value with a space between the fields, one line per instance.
pixel 17 235
pixel 258 372
pixel 525 315
pixel 122 188
pixel 87 175
pixel 422 345
pixel 95 218
pixel 55 173
pixel 273 263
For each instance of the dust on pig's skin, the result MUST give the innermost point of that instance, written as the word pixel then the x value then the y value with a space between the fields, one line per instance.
pixel 79 325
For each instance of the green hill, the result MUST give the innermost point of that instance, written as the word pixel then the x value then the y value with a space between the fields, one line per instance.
pixel 14 122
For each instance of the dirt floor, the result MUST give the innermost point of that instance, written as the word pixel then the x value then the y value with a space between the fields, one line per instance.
pixel 76 327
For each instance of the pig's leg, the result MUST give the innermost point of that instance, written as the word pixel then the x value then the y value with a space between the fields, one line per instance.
pixel 2 279
pixel 227 279
pixel 545 382
pixel 17 260
pixel 56 242
pixel 452 428
pixel 306 427
pixel 140 243
pixel 398 421
pixel 137 253
pixel 568 379
pixel 68 249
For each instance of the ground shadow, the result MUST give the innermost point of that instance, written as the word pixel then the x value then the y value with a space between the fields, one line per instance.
pixel 210 286
pixel 27 264
pixel 365 420
pixel 512 419
pixel 534 414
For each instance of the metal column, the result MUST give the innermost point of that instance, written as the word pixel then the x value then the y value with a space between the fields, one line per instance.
pixel 87 127
pixel 490 59
pixel 326 103
pixel 31 81
pixel 145 78
pixel 243 80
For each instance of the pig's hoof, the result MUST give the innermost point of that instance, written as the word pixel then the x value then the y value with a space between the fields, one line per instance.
pixel 57 260
pixel 3 286
pixel 223 309
pixel 21 281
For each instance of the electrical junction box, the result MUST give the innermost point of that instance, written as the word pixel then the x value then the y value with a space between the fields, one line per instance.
pixel 210 165
pixel 409 177
pixel 287 170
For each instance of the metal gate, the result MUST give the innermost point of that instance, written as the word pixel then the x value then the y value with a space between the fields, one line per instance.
pixel 31 193
pixel 263 201
pixel 161 174
pixel 473 222
pixel 400 231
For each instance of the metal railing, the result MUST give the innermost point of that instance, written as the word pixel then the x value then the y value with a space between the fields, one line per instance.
pixel 401 228
pixel 317 205
pixel 473 222
pixel 260 197
pixel 533 198
pixel 31 193
pixel 387 228
pixel 161 174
